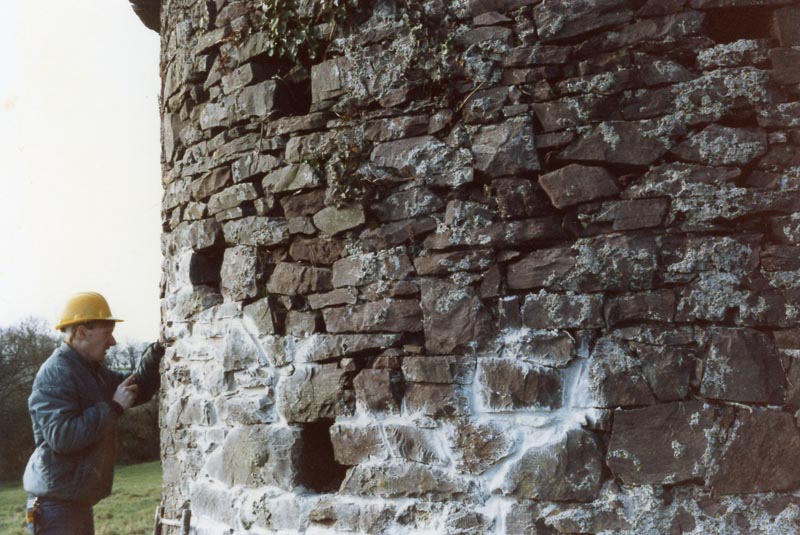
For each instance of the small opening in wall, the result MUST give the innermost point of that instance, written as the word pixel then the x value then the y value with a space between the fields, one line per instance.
pixel 205 265
pixel 319 470
pixel 727 25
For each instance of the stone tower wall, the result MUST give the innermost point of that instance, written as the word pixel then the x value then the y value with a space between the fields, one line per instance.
pixel 509 266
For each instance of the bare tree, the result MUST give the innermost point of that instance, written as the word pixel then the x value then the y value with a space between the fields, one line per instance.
pixel 124 357
pixel 23 348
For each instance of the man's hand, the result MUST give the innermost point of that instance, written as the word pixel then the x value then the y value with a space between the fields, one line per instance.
pixel 126 392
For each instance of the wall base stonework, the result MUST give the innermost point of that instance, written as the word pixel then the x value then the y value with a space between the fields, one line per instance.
pixel 485 266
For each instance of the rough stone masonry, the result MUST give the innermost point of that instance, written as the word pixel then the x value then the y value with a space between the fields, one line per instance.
pixel 481 266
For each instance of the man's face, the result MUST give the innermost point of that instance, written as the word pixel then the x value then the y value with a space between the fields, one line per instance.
pixel 96 342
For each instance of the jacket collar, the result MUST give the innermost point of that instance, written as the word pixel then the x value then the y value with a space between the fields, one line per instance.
pixel 68 352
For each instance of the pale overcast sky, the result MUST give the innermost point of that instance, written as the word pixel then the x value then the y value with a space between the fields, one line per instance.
pixel 79 161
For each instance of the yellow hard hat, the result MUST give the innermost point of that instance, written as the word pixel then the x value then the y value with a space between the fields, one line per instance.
pixel 83 307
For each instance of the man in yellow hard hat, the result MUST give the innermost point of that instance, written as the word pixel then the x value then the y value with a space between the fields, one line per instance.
pixel 74 405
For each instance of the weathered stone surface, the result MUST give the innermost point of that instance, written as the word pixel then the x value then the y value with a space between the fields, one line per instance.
pixel 641 306
pixel 786 114
pixel 303 204
pixel 332 220
pixel 214 115
pixel 632 215
pixel 478 7
pixel 256 231
pixel 556 115
pixel 301 225
pixel 396 128
pixel 616 378
pixel 302 323
pixel 192 300
pixel 559 19
pixel 291 178
pixel 668 370
pixel 377 391
pixel 239 273
pixel 481 446
pixel 251 165
pixel 617 142
pixel 407 231
pixel 354 444
pixel 485 106
pixel 341 296
pixel 568 469
pixel 541 269
pixel 238 352
pixel 722 145
pixel 318 251
pixel 542 347
pixel 327 346
pixel 663 444
pixel 388 315
pixel 244 75
pixel 786 26
pixel 710 4
pixel 780 258
pixel 560 311
pixel 485 33
pixel 403 480
pixel 741 52
pixel 316 392
pixel 361 269
pixel 346 516
pixel 453 317
pixel 259 100
pixel 506 385
pixel 444 263
pixel 785 68
pixel 758 455
pixel 575 184
pixel 247 409
pixel 406 204
pixel 606 263
pixel 505 234
pixel 257 455
pixel 436 400
pixel 671 29
pixel 327 79
pixel 296 279
pixel 424 159
pixel 506 149
pixel 741 365
pixel 200 235
pixel 445 370
pixel 231 197
pixel 519 198
pixel 416 445
pixel 213 502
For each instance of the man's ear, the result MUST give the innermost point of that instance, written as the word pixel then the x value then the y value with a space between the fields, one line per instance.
pixel 80 332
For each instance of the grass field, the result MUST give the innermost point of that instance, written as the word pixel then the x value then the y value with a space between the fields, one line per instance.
pixel 128 511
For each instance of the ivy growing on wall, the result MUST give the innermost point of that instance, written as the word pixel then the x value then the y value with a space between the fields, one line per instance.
pixel 297 29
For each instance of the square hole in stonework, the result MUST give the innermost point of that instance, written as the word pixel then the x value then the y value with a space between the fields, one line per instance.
pixel 318 469
pixel 726 25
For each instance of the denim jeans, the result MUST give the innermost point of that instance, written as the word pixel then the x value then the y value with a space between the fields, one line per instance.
pixel 57 517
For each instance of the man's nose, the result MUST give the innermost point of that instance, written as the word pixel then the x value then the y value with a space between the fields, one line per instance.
pixel 113 341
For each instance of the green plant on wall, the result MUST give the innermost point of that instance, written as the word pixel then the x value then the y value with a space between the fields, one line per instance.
pixel 299 29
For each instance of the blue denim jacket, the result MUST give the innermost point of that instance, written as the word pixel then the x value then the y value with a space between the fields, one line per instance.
pixel 74 425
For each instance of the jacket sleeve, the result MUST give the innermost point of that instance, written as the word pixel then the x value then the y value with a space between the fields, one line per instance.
pixel 67 429
pixel 148 377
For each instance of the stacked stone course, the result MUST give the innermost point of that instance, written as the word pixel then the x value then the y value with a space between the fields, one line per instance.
pixel 485 266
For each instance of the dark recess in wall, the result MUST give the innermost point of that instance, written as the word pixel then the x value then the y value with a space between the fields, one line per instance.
pixel 731 24
pixel 319 471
